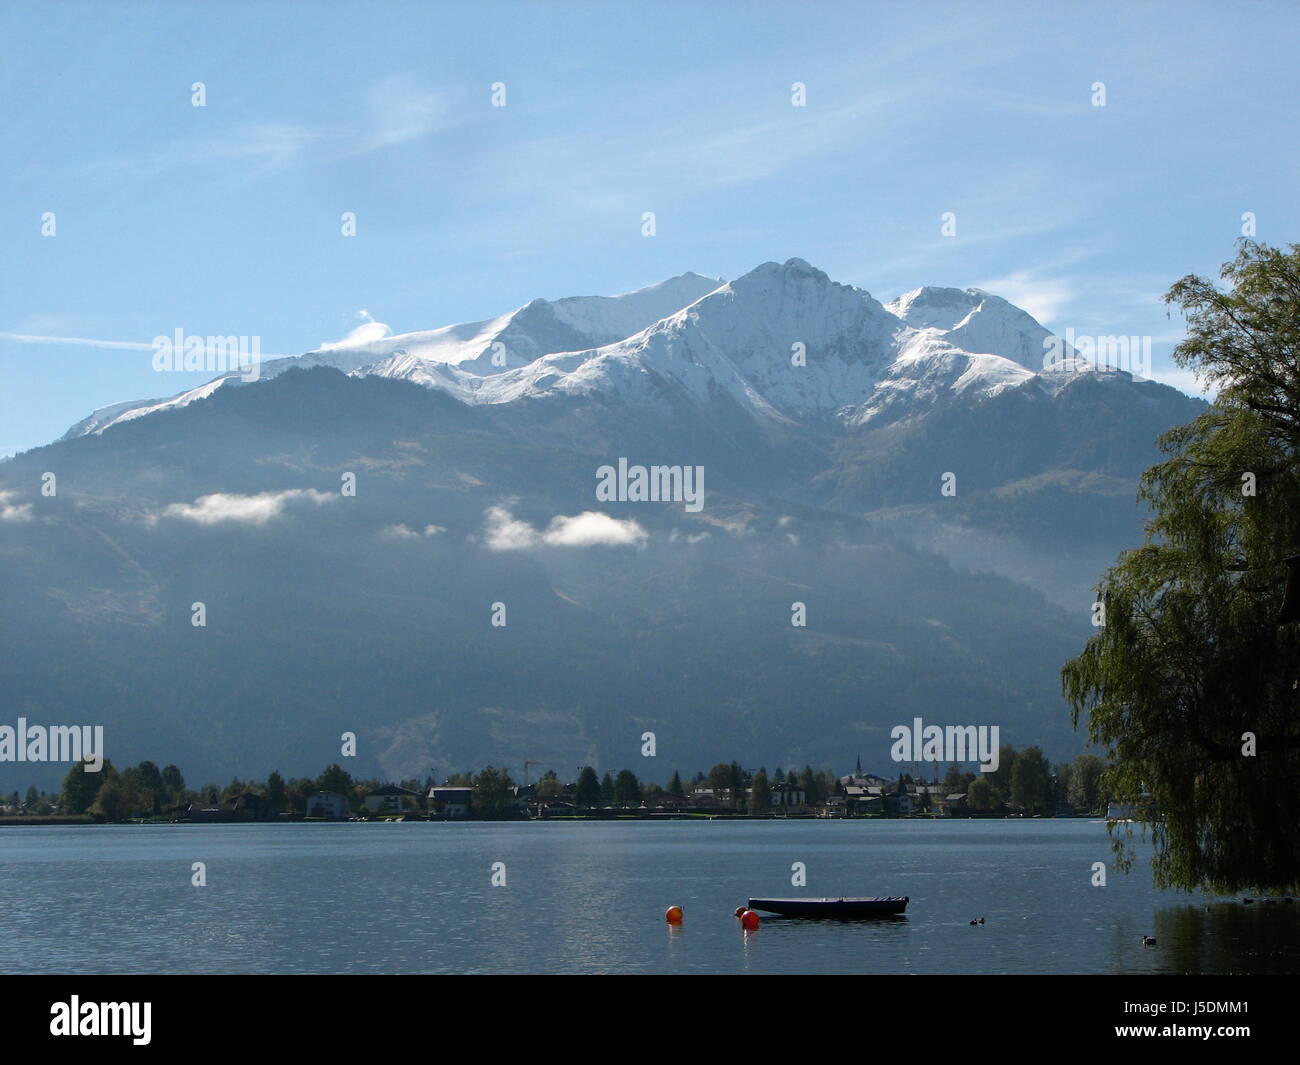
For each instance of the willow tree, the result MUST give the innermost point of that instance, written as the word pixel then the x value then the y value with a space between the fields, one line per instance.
pixel 1191 684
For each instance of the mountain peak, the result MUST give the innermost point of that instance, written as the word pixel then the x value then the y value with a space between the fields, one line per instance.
pixel 791 269
pixel 933 306
pixel 784 341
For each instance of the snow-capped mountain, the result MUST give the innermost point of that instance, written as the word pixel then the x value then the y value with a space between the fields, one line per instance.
pixel 536 329
pixel 784 343
pixel 825 423
pixel 472 348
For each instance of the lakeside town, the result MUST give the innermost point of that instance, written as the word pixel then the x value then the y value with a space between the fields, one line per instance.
pixel 1025 784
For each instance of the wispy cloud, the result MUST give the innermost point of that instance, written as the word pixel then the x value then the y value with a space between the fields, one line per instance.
pixel 402 110
pixel 397 110
pixel 642 164
pixel 88 342
pixel 402 531
pixel 366 333
pixel 98 342
pixel 1041 297
pixel 1183 380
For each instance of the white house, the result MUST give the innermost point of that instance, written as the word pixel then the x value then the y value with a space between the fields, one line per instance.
pixel 391 799
pixel 448 801
pixel 327 804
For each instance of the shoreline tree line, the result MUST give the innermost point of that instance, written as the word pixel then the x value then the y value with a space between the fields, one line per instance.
pixel 1025 781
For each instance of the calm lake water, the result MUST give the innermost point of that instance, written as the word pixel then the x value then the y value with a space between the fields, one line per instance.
pixel 589 898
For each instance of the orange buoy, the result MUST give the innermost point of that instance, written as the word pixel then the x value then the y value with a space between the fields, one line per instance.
pixel 749 920
pixel 740 912
pixel 674 915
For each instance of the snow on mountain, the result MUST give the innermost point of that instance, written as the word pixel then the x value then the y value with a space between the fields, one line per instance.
pixel 429 357
pixel 975 321
pixel 783 343
pixel 344 360
pixel 536 329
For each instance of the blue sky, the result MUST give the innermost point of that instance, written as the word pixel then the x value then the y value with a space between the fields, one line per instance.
pixel 225 219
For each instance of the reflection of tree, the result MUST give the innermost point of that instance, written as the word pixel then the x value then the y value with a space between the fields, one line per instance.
pixel 1229 937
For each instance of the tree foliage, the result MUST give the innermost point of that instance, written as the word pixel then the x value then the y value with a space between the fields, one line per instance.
pixel 492 791
pixel 1190 662
pixel 80 788
pixel 627 789
pixel 587 791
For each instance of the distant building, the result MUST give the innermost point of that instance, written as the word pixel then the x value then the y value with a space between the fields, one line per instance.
pixel 835 806
pixel 864 780
pixel 788 796
pixel 210 811
pixel 328 805
pixel 391 799
pixel 898 804
pixel 951 805
pixel 249 806
pixel 704 799
pixel 448 801
pixel 860 800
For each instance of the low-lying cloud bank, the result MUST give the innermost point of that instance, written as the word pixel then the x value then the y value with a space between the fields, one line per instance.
pixel 250 510
pixel 504 532
pixel 14 511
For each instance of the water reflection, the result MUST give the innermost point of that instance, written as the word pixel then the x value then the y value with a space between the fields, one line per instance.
pixel 1230 937
pixel 591 898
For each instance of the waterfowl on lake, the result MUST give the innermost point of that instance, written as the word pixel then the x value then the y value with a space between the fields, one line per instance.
pixel 1148 941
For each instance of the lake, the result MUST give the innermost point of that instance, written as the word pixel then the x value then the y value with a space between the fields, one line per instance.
pixel 589 897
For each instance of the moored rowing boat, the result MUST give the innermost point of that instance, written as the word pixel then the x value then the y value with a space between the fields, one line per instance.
pixel 843 907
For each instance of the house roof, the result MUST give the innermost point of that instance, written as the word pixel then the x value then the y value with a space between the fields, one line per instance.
pixel 391 789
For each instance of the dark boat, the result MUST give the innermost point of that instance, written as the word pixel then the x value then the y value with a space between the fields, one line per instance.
pixel 873 907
